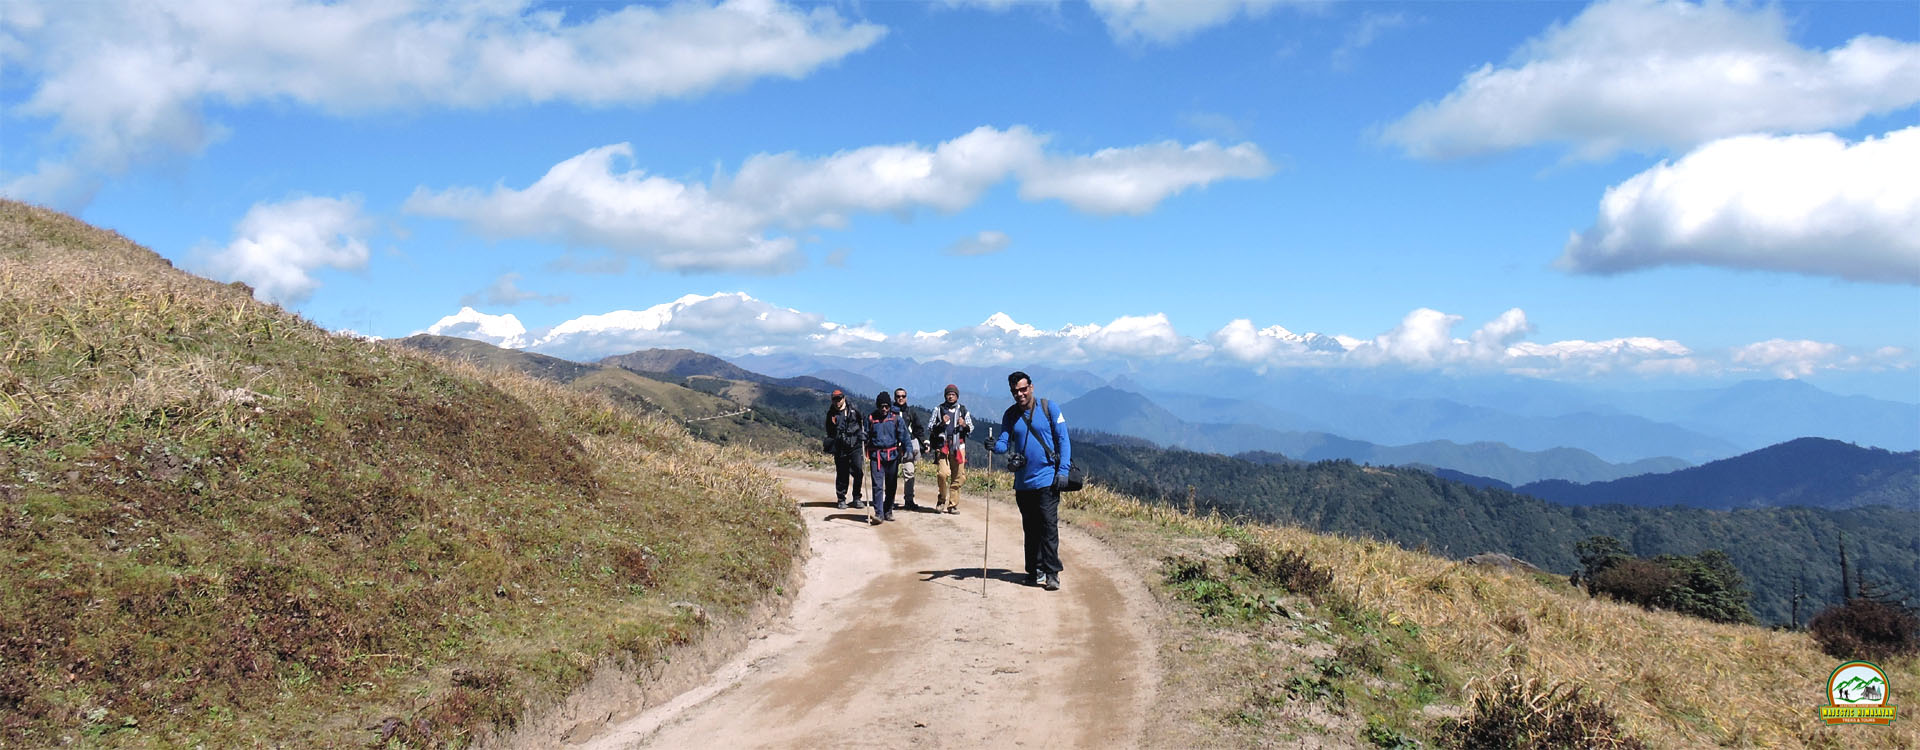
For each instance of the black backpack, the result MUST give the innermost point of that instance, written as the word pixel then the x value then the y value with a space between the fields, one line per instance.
pixel 851 427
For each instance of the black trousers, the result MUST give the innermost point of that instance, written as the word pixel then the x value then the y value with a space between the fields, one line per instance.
pixel 847 472
pixel 1040 519
pixel 886 481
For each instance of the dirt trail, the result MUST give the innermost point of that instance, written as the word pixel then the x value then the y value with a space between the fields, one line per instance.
pixel 892 644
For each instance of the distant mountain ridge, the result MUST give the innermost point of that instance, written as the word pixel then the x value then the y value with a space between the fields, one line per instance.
pixel 1125 413
pixel 1388 406
pixel 687 363
pixel 983 388
pixel 760 410
pixel 1812 472
pixel 1769 412
pixel 1775 549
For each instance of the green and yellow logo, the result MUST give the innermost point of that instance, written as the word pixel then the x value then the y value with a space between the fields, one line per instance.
pixel 1857 694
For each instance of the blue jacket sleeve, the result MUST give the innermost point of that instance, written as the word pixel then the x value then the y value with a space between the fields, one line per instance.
pixel 1000 443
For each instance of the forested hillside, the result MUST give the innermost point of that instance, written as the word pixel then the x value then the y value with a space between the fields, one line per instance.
pixel 1813 472
pixel 1773 548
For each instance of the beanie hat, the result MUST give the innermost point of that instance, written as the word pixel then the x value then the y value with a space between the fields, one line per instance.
pixel 885 399
pixel 837 393
pixel 953 390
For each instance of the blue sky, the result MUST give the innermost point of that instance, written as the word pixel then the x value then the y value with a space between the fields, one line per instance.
pixel 1622 193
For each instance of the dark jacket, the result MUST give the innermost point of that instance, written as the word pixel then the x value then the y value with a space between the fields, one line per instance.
pixel 1050 424
pixel 846 429
pixel 916 434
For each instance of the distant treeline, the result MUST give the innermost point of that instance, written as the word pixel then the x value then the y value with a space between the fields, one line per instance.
pixel 1773 548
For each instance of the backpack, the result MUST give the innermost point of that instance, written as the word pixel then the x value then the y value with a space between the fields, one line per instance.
pixel 850 427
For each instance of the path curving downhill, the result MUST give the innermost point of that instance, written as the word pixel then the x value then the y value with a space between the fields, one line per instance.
pixel 891 643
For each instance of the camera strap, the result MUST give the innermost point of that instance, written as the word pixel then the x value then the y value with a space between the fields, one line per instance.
pixel 1044 407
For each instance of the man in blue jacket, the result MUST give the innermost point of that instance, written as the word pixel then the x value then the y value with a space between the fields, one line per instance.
pixel 886 444
pixel 1035 432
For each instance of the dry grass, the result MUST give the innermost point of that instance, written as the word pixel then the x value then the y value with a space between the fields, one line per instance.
pixel 1673 681
pixel 224 526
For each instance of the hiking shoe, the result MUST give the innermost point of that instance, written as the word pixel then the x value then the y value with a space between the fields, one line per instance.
pixel 913 506
pixel 843 504
pixel 873 520
pixel 1053 582
pixel 953 510
pixel 1036 579
pixel 857 503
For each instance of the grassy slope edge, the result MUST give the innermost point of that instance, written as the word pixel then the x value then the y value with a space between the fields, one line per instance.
pixel 222 525
pixel 1399 642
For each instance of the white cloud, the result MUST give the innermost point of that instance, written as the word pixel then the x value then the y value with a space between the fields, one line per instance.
pixel 726 322
pixel 277 246
pixel 1172 21
pixel 1371 27
pixel 1144 336
pixel 505 291
pixel 1424 337
pixel 498 330
pixel 1638 74
pixel 984 243
pixel 1641 354
pixel 734 323
pixel 1788 359
pixel 130 82
pixel 1495 337
pixel 1135 180
pixel 1240 340
pixel 594 200
pixel 951 176
pixel 1807 204
pixel 584 202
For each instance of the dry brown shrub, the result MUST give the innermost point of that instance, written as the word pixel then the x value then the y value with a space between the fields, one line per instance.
pixel 1508 711
pixel 1866 629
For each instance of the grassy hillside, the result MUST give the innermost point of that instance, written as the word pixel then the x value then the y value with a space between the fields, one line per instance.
pixel 710 414
pixel 223 526
pixel 1395 648
pixel 1775 549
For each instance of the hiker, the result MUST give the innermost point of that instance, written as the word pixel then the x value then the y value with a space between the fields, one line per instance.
pixel 846 436
pixel 916 444
pixel 1032 430
pixel 947 432
pixel 887 441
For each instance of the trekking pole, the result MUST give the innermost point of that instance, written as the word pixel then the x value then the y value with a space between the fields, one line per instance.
pixel 986 536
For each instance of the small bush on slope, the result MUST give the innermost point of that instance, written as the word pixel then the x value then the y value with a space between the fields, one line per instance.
pixel 1867 629
pixel 1516 713
pixel 223 525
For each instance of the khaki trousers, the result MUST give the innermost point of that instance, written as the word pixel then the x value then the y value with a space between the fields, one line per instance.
pixel 951 472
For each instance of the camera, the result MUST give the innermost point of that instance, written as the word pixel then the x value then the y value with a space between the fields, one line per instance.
pixel 1016 461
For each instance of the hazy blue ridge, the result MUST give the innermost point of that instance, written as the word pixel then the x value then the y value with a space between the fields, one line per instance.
pixel 1813 472
pixel 1120 412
